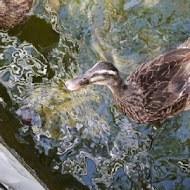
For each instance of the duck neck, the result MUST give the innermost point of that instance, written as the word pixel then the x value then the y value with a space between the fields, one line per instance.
pixel 118 88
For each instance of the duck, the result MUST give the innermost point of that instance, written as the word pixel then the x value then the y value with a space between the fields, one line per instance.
pixel 12 12
pixel 156 90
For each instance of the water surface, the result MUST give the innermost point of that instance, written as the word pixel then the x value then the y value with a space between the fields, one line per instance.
pixel 81 140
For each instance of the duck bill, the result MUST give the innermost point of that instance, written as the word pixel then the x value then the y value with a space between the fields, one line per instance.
pixel 78 82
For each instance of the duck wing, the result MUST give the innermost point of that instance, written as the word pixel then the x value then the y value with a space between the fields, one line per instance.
pixel 164 81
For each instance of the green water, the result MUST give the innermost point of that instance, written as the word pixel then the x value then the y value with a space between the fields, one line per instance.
pixel 83 141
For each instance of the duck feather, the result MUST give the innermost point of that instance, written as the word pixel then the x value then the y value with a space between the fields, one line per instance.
pixel 164 82
pixel 12 12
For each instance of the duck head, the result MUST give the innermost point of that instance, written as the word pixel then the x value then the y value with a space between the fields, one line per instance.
pixel 102 73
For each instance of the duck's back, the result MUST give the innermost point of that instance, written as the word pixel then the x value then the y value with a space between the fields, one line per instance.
pixel 165 83
pixel 12 12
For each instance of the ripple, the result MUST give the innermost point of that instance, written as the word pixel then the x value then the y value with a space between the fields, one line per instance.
pixel 82 133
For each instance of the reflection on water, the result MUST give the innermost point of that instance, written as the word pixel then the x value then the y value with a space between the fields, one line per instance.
pixel 82 133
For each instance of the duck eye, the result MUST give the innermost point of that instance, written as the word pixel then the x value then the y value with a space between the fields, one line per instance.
pixel 105 74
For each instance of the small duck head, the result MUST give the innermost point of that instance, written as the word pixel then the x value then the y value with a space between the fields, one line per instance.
pixel 102 73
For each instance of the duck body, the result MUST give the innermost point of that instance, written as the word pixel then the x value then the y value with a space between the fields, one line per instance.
pixel 12 12
pixel 156 90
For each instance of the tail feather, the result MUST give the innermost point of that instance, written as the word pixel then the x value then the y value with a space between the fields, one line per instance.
pixel 186 44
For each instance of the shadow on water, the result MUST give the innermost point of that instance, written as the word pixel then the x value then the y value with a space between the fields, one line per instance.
pixel 38 32
pixel 81 136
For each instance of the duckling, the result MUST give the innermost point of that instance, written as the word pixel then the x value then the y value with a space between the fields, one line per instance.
pixel 156 90
pixel 12 12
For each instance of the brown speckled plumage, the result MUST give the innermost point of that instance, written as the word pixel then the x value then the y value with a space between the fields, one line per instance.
pixel 163 85
pixel 12 12
pixel 156 90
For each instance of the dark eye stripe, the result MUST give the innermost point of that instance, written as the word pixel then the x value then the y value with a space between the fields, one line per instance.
pixel 96 74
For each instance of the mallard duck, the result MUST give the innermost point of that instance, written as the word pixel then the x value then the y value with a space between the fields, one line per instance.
pixel 156 90
pixel 12 12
